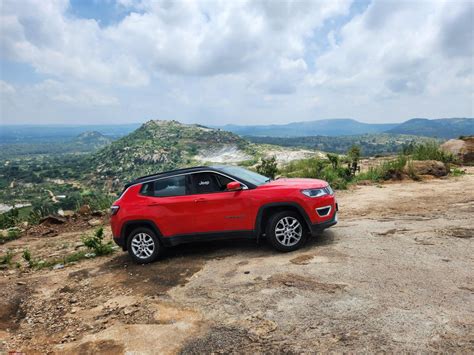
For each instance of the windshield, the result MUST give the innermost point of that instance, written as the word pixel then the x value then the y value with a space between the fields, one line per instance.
pixel 244 174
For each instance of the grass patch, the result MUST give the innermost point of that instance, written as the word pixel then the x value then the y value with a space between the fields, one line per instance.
pixel 12 234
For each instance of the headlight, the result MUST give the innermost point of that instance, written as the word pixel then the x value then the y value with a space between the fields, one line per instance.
pixel 315 192
pixel 318 192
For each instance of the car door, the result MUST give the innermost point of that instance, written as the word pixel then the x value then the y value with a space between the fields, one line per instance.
pixel 215 208
pixel 170 205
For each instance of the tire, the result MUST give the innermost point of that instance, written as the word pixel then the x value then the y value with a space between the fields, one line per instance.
pixel 286 231
pixel 143 245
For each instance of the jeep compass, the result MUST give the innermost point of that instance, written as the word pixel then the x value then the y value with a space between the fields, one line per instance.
pixel 218 202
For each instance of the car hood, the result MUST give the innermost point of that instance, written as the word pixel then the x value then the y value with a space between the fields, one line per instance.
pixel 295 183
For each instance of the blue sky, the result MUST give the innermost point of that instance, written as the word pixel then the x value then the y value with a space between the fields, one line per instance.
pixel 242 62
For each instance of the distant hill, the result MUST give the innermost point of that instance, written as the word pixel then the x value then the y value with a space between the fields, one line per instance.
pixel 441 128
pixel 59 133
pixel 83 143
pixel 327 127
pixel 158 146
pixel 92 139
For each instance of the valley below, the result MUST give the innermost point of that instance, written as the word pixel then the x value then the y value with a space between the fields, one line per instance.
pixel 394 275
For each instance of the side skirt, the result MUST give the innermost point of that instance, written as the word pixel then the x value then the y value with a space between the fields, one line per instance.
pixel 206 237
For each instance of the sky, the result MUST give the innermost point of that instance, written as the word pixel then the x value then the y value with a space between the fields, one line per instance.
pixel 239 62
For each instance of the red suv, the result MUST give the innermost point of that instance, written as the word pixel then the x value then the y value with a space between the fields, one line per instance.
pixel 218 202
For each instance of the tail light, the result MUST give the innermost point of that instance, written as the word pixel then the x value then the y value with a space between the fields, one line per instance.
pixel 114 210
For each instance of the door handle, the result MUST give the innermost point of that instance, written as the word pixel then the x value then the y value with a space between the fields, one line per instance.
pixel 153 204
pixel 200 200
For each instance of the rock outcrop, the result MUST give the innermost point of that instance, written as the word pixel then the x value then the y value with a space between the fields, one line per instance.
pixel 462 148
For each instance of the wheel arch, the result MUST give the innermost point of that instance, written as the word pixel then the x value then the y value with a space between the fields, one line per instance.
pixel 129 226
pixel 269 209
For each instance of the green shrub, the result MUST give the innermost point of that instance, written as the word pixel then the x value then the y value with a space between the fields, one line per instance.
pixel 7 258
pixel 457 172
pixel 26 255
pixel 333 159
pixel 12 234
pixel 96 243
pixel 316 168
pixel 9 219
pixel 431 151
pixel 393 169
pixel 268 167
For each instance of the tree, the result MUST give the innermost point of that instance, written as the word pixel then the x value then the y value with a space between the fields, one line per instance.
pixel 268 167
pixel 354 156
pixel 333 159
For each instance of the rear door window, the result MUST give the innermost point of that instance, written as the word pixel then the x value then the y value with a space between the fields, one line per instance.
pixel 172 186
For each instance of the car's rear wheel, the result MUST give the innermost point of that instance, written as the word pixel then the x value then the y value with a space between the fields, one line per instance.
pixel 286 231
pixel 143 245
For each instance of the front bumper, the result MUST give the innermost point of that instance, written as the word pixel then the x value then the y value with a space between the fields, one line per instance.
pixel 317 228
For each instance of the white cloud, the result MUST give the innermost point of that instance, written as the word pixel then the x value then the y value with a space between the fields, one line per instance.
pixel 217 61
pixel 6 88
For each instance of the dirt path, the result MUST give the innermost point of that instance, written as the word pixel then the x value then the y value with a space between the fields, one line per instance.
pixel 396 274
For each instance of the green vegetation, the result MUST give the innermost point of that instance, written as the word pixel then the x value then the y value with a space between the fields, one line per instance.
pixel 431 151
pixel 84 143
pixel 268 167
pixel 96 243
pixel 11 234
pixel 457 172
pixel 370 144
pixel 317 168
pixel 390 169
pixel 6 259
pixel 9 219
pixel 339 177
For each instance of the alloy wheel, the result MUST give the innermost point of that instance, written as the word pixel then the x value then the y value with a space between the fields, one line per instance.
pixel 288 231
pixel 143 245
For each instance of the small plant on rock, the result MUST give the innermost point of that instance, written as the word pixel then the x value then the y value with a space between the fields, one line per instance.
pixel 96 243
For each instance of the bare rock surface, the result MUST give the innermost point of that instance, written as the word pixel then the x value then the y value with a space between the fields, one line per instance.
pixel 428 167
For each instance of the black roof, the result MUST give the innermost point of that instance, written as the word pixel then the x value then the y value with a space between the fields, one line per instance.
pixel 170 173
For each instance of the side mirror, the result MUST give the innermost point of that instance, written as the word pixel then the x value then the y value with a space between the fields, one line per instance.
pixel 234 186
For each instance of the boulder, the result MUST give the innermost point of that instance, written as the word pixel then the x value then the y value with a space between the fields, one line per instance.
pixel 427 167
pixel 94 222
pixel 68 213
pixel 84 210
pixel 49 220
pixel 462 148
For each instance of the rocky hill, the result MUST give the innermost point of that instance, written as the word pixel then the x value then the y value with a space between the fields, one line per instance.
pixel 93 139
pixel 163 145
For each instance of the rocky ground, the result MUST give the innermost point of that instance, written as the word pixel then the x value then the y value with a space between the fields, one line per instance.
pixel 396 274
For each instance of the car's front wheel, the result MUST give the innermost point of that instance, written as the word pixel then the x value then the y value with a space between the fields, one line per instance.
pixel 286 231
pixel 143 246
